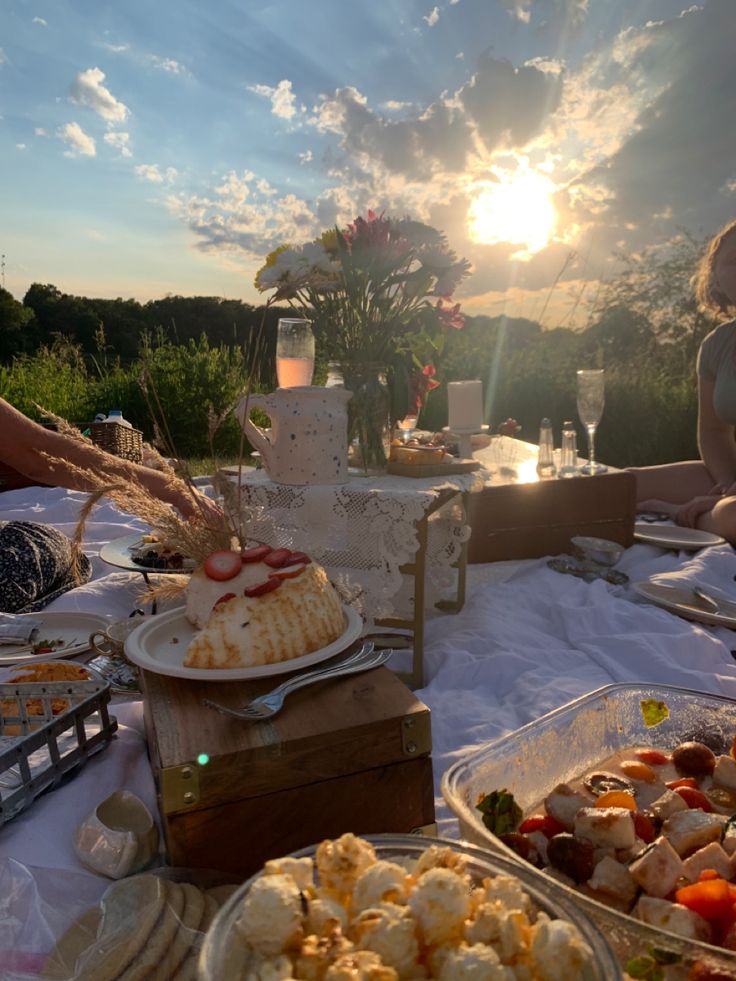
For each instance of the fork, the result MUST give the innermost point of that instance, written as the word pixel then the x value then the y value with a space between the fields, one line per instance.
pixel 266 706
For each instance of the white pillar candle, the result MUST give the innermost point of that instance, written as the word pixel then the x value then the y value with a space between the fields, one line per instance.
pixel 465 405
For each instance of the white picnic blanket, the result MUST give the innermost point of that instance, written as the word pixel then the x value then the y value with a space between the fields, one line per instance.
pixel 528 640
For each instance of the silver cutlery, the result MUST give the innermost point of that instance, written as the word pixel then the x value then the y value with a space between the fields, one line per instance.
pixel 28 649
pixel 711 605
pixel 266 706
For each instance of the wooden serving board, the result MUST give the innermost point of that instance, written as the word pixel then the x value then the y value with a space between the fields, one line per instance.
pixel 431 469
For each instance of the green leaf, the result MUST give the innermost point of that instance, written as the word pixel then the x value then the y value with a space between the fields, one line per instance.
pixel 500 811
pixel 653 712
pixel 665 956
pixel 644 969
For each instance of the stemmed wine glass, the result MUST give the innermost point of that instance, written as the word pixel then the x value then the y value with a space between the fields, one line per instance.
pixel 294 353
pixel 591 400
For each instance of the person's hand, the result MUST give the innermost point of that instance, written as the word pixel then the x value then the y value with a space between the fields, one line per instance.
pixel 688 514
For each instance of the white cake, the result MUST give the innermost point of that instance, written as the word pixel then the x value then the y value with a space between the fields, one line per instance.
pixel 269 611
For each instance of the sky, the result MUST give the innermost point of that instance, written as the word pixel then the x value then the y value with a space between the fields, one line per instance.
pixel 150 148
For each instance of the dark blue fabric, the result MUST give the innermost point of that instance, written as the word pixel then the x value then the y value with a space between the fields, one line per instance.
pixel 36 566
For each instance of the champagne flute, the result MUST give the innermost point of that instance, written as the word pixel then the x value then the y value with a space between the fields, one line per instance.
pixel 294 353
pixel 591 400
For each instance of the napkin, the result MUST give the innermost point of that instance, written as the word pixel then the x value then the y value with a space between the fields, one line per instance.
pixel 712 569
pixel 17 629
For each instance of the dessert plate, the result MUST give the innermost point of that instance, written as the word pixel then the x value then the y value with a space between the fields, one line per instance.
pixel 672 536
pixel 68 633
pixel 117 553
pixel 683 602
pixel 159 645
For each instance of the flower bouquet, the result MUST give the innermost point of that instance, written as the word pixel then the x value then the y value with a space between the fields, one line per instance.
pixel 379 296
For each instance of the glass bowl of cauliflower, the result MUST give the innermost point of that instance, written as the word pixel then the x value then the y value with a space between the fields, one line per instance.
pixel 395 907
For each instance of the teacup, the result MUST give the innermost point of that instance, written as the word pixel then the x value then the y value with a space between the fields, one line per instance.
pixel 111 641
pixel 119 837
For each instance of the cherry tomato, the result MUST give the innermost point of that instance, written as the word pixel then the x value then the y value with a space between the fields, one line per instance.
pixel 695 798
pixel 644 827
pixel 541 822
pixel 226 597
pixel 682 782
pixel 617 798
pixel 652 756
pixel 222 565
pixel 638 770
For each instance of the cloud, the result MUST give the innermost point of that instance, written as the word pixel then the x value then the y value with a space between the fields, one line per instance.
pixel 306 157
pixel 116 48
pixel 80 143
pixel 40 21
pixel 21 146
pixel 432 17
pixel 87 90
pixel 120 141
pixel 40 131
pixel 168 65
pixel 282 98
pixel 394 105
pixel 154 174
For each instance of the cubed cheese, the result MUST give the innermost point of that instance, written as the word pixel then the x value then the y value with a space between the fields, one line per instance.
pixel 724 773
pixel 692 829
pixel 539 842
pixel 673 917
pixel 563 803
pixel 711 857
pixel 658 869
pixel 666 805
pixel 603 826
pixel 613 879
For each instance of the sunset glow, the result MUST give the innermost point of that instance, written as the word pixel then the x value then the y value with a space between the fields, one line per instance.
pixel 518 209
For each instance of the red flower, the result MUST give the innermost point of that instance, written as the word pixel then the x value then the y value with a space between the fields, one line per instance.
pixel 449 314
pixel 421 382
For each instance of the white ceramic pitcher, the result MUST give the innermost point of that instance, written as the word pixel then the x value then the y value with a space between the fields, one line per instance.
pixel 308 439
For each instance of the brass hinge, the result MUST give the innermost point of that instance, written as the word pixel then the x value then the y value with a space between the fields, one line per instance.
pixel 416 734
pixel 179 787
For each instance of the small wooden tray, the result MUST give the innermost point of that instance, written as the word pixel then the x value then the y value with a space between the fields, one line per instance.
pixel 431 469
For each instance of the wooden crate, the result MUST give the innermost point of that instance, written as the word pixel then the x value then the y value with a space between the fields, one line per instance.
pixel 351 754
pixel 518 516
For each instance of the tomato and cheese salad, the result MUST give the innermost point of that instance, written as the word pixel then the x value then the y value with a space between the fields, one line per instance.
pixel 649 832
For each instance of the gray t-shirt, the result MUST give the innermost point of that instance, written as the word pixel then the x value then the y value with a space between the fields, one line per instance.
pixel 717 363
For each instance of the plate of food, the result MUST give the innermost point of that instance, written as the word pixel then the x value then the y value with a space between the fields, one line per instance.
pixel 145 553
pixel 672 536
pixel 685 603
pixel 59 635
pixel 251 614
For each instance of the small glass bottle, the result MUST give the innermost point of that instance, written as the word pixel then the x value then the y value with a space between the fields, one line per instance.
pixel 545 460
pixel 569 451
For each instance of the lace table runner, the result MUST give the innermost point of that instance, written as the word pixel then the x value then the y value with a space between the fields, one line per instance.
pixel 365 530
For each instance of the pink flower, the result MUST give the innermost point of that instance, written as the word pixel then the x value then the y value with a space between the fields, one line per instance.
pixel 449 314
pixel 420 383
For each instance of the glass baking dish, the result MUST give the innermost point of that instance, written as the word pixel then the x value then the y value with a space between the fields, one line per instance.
pixel 562 745
pixel 219 955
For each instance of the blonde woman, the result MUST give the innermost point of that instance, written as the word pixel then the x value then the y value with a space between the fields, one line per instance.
pixel 702 493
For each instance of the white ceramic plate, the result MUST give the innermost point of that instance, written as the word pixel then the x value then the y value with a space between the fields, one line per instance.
pixel 72 629
pixel 670 536
pixel 159 645
pixel 680 600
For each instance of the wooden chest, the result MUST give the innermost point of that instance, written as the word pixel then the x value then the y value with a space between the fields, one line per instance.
pixel 351 754
pixel 518 516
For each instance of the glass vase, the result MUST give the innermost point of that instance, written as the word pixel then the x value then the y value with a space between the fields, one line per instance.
pixel 369 415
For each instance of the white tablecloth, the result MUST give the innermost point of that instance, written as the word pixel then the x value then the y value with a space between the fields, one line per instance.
pixel 527 641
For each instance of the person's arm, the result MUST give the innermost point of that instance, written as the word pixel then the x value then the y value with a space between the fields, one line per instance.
pixel 26 446
pixel 715 439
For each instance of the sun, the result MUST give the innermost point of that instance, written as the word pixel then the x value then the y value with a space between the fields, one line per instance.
pixel 517 209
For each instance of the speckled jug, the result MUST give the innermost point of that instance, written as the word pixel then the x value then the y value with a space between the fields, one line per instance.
pixel 308 439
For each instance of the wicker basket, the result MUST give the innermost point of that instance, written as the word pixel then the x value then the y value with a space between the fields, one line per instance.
pixel 119 440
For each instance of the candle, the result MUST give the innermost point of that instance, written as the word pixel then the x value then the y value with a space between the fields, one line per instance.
pixel 465 405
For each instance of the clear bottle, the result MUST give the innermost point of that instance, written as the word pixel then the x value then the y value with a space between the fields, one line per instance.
pixel 569 451
pixel 546 460
pixel 116 415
